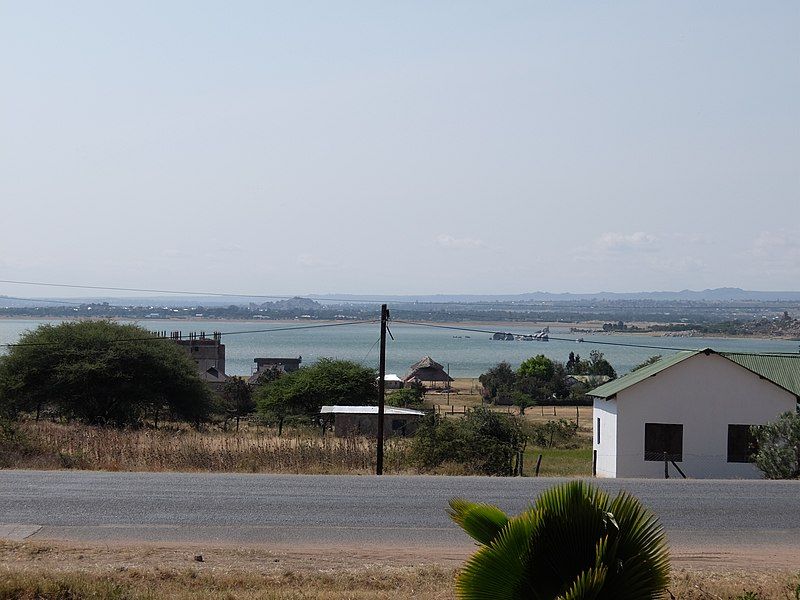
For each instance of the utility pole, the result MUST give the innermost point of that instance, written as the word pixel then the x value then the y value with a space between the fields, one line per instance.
pixel 381 388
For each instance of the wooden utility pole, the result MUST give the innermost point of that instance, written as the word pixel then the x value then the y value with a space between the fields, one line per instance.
pixel 381 388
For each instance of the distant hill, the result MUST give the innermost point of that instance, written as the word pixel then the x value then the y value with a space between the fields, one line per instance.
pixel 313 301
pixel 708 295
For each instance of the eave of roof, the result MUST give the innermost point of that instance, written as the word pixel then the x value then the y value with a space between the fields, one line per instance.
pixel 368 410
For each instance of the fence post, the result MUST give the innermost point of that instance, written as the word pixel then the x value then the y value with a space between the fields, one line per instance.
pixel 666 466
pixel 538 464
pixel 594 463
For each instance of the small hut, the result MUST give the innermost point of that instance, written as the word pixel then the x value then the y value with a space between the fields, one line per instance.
pixel 428 372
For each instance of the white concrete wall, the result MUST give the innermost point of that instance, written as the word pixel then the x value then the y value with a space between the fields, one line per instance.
pixel 606 411
pixel 705 394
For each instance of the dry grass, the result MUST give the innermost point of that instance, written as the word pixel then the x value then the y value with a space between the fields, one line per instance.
pixel 47 445
pixel 468 396
pixel 130 584
pixel 33 570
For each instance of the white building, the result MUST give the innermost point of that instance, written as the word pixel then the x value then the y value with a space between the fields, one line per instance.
pixel 694 407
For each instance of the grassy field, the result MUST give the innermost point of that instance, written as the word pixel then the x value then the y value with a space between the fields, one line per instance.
pixel 559 462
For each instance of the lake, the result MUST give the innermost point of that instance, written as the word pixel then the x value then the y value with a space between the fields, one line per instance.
pixel 468 354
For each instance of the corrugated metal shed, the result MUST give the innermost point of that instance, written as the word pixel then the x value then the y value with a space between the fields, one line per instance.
pixel 367 410
pixel 783 370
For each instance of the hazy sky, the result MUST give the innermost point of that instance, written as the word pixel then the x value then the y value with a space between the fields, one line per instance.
pixel 400 147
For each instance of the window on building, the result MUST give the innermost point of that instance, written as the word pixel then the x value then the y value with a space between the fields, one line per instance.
pixel 741 444
pixel 661 438
pixel 598 430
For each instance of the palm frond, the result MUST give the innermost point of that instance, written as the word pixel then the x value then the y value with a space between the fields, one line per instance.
pixel 498 571
pixel 482 522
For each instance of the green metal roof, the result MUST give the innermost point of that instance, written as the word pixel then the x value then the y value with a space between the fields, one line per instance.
pixel 612 388
pixel 781 369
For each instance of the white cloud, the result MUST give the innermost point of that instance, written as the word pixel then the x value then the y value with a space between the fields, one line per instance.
pixel 638 240
pixel 448 241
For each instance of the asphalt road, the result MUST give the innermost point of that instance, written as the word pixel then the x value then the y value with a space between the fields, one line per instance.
pixel 310 511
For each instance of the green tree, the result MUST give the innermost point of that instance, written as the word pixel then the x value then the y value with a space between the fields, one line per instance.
pixel 498 380
pixel 778 443
pixel 237 397
pixel 300 395
pixel 542 379
pixel 599 365
pixel 538 366
pixel 411 396
pixel 101 372
pixel 574 543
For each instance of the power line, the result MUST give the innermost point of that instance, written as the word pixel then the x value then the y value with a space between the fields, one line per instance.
pixel 182 292
pixel 156 337
pixel 4 297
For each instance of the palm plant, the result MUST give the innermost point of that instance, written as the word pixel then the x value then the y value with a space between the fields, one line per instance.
pixel 573 543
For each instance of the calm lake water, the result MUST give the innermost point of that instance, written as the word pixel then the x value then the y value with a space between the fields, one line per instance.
pixel 468 354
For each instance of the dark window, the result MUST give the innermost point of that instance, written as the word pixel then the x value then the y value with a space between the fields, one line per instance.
pixel 661 438
pixel 598 430
pixel 741 444
pixel 399 426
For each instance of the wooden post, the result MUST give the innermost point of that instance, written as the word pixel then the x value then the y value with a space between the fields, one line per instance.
pixel 594 463
pixel 577 415
pixel 381 389
pixel 666 466
pixel 538 464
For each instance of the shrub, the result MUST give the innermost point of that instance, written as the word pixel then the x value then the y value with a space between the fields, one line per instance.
pixel 575 542
pixel 778 454
pixel 485 441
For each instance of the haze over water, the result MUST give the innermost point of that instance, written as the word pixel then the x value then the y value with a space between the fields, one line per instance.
pixel 468 354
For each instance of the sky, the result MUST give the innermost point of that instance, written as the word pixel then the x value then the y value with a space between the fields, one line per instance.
pixel 400 147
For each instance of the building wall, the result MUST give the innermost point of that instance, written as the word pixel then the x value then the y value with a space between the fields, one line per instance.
pixel 350 424
pixel 705 394
pixel 206 353
pixel 606 411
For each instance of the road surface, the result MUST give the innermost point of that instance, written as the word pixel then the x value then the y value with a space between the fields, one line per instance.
pixel 325 511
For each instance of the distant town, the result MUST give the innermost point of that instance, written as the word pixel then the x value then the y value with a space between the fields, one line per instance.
pixel 644 313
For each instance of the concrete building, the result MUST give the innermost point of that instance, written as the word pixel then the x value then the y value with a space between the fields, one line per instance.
pixel 207 353
pixel 363 420
pixel 284 365
pixel 696 409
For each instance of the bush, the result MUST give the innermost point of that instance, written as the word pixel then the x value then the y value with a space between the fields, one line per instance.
pixel 778 454
pixel 484 441
pixel 407 397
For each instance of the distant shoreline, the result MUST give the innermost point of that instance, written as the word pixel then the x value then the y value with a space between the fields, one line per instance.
pixel 487 326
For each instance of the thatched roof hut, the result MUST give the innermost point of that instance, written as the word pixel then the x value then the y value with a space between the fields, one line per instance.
pixel 427 370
